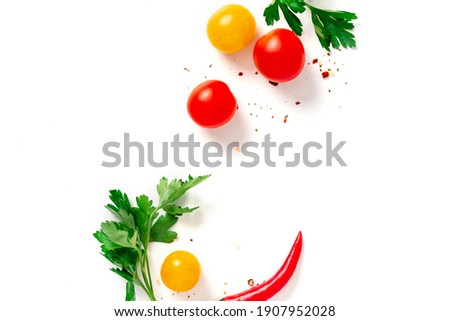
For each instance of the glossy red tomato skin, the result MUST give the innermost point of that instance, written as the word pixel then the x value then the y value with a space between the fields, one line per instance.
pixel 211 104
pixel 279 55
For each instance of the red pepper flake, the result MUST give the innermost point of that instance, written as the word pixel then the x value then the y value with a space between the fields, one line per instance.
pixel 191 240
pixel 251 282
pixel 256 73
pixel 297 103
pixel 328 53
pixel 273 116
pixel 273 83
pixel 240 74
pixel 325 74
pixel 285 119
pixel 315 61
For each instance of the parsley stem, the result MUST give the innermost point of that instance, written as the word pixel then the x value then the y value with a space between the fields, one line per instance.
pixel 147 285
pixel 150 286
pixel 139 282
pixel 147 278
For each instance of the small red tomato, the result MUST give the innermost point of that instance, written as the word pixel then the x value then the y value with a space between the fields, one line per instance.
pixel 279 55
pixel 211 104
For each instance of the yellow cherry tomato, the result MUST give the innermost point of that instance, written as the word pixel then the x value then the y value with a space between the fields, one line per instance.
pixel 180 271
pixel 231 28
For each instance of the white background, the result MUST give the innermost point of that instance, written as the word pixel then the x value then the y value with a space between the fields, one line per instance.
pixel 77 74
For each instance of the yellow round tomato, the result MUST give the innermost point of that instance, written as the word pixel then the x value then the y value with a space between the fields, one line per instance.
pixel 180 271
pixel 231 28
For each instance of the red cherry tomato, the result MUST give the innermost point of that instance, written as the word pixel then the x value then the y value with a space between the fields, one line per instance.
pixel 279 55
pixel 211 104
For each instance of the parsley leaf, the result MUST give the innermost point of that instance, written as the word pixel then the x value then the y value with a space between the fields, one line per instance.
pixel 289 8
pixel 297 6
pixel 160 230
pixel 144 216
pixel 130 292
pixel 126 259
pixel 333 27
pixel 114 235
pixel 178 210
pixel 123 273
pixel 122 208
pixel 271 13
pixel 170 192
pixel 292 20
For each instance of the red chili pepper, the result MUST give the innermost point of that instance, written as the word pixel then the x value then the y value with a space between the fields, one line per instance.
pixel 269 288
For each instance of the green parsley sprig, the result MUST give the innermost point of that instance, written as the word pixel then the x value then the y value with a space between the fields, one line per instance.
pixel 333 28
pixel 125 243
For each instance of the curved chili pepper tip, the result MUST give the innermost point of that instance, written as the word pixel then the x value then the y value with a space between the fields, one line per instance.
pixel 272 286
